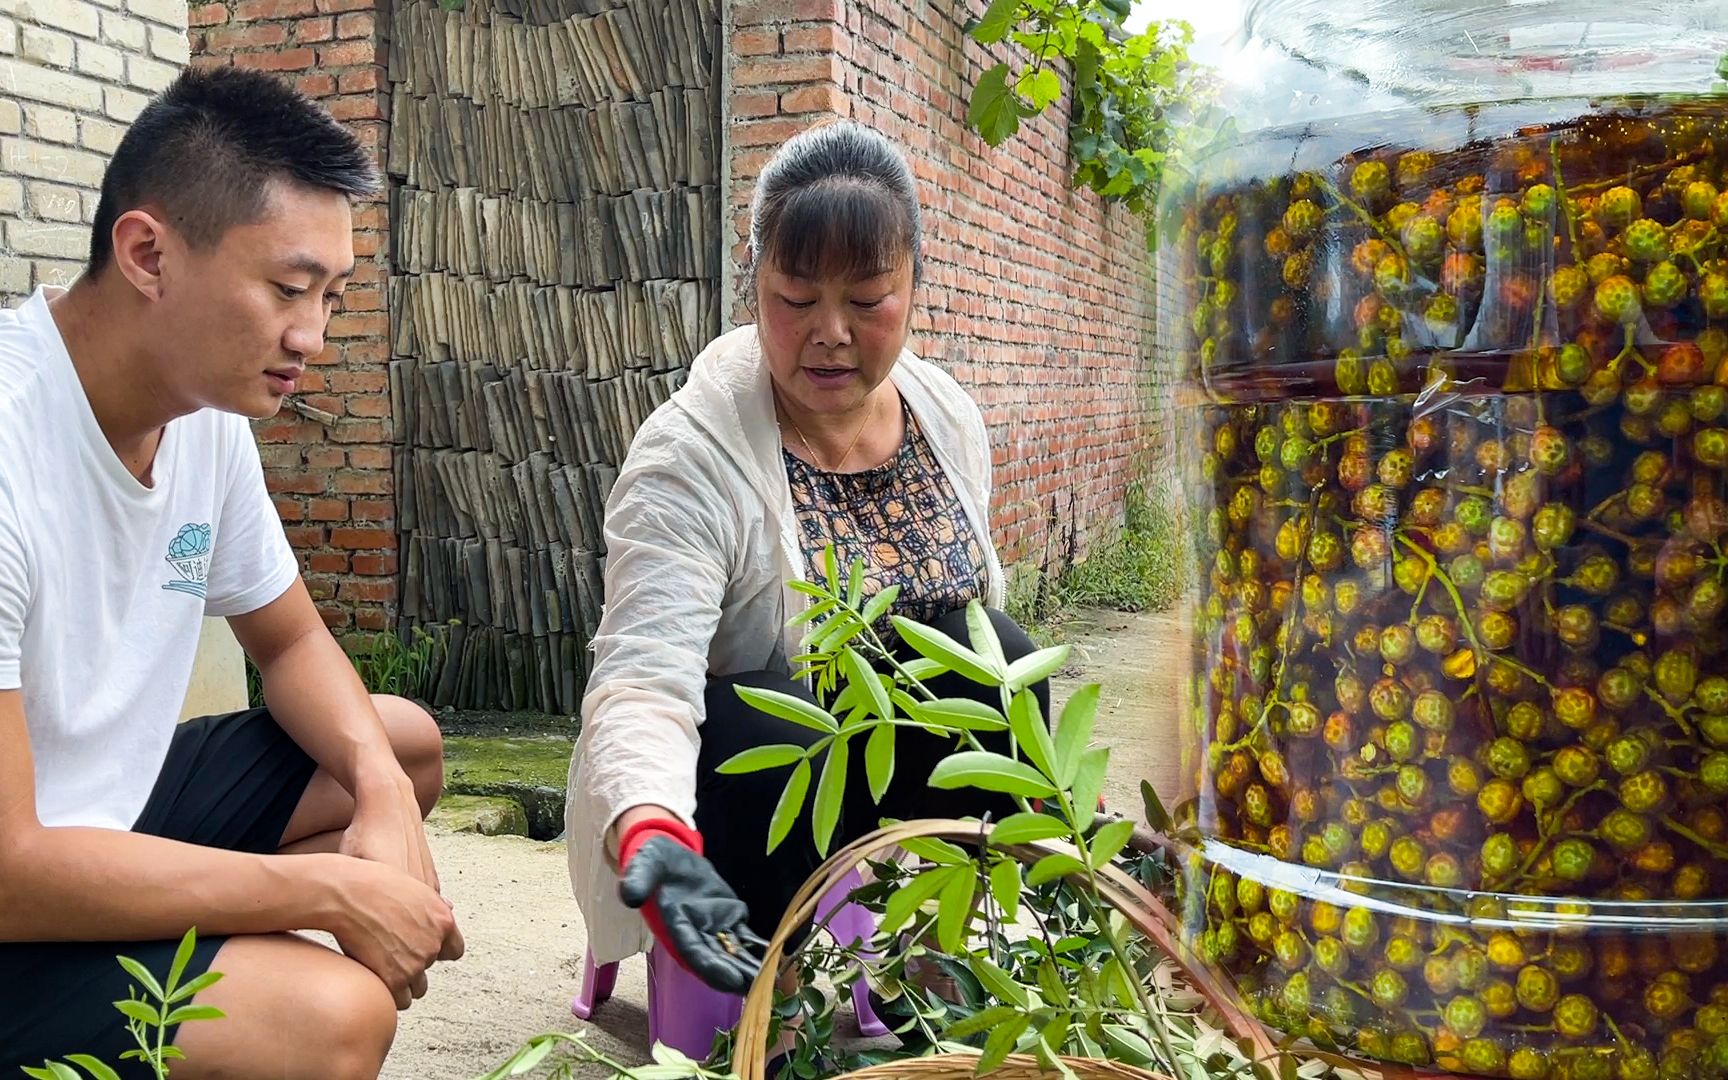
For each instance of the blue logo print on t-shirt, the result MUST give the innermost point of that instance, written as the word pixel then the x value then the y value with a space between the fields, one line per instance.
pixel 189 555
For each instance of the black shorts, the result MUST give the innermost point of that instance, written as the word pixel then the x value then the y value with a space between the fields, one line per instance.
pixel 228 782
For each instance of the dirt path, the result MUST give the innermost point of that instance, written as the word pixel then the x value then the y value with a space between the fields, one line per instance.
pixel 524 934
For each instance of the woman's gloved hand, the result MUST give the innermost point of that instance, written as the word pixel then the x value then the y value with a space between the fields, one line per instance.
pixel 688 906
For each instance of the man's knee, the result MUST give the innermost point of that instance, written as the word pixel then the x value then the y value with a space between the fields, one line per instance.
pixel 303 1011
pixel 361 1015
pixel 418 744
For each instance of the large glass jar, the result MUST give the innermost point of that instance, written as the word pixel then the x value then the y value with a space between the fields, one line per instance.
pixel 1457 411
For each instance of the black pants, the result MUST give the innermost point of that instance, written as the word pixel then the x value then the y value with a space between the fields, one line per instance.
pixel 230 782
pixel 733 811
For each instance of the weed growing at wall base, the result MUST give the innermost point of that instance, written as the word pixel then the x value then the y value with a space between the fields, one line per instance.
pixel 1137 567
pixel 386 663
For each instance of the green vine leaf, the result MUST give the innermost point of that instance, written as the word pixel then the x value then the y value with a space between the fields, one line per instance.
pixel 997 21
pixel 1040 87
pixel 994 114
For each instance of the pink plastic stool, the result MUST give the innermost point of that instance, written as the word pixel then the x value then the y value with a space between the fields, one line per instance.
pixel 685 1013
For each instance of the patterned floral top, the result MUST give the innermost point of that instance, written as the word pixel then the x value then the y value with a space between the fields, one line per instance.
pixel 903 519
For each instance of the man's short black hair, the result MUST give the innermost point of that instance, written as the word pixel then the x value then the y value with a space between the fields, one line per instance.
pixel 206 149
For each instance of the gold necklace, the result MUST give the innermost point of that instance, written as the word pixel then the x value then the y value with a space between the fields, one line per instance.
pixel 814 457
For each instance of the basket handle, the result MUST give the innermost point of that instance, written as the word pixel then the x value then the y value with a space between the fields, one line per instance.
pixel 1120 890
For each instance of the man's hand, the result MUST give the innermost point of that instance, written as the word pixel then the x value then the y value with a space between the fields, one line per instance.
pixel 387 828
pixel 393 924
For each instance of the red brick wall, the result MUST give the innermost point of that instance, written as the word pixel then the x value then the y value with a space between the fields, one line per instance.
pixel 333 484
pixel 1036 297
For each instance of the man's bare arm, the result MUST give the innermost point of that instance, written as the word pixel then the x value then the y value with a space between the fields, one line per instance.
pixel 313 692
pixel 85 884
pixel 102 884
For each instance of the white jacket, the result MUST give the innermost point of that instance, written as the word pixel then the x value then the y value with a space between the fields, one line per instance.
pixel 702 540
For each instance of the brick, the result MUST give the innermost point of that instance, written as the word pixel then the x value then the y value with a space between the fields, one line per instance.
pixel 362 300
pixel 53 202
pixel 356 24
pixel 11 118
pixel 293 483
pixel 359 382
pixel 101 61
pixel 334 615
pixel 316 86
pixel 363 81
pixel 357 108
pixel 338 6
pixel 57 271
pixel 363 539
pixel 50 124
pixel 91 200
pixel 374 565
pixel 45 46
pixel 242 36
pixel 14 277
pixel 822 37
pixel 265 10
pixel 787 69
pixel 305 536
pixel 25 157
pixel 369 405
pixel 46 238
pixel 206 14
pixel 35 83
pixel 122 105
pixel 149 75
pixel 287 510
pixel 346 325
pixel 815 99
pixel 326 457
pixel 11 195
pixel 372 510
pixel 360 431
pixel 369 457
pixel 124 31
pixel 74 18
pixel 770 132
pixel 166 12
pixel 359 591
pixel 362 483
pixel 756 42
pixel 348 54
pixel 759 103
pixel 327 562
pixel 313 31
pixel 100 135
pixel 763 12
pixel 285 60
pixel 169 45
pixel 328 510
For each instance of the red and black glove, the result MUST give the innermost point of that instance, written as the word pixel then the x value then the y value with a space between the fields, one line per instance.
pixel 688 906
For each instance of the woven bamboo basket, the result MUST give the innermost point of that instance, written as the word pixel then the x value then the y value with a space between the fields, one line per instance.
pixel 1122 892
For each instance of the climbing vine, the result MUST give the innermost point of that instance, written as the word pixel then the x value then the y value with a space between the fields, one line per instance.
pixel 1126 87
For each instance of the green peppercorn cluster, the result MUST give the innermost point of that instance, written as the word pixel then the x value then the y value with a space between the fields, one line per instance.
pixel 1462 629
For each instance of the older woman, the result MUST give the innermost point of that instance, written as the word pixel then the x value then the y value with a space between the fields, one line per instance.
pixel 814 425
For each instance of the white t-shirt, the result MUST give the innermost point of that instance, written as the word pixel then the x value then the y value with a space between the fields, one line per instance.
pixel 104 583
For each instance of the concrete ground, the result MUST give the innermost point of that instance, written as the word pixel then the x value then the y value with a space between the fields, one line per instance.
pixel 524 933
